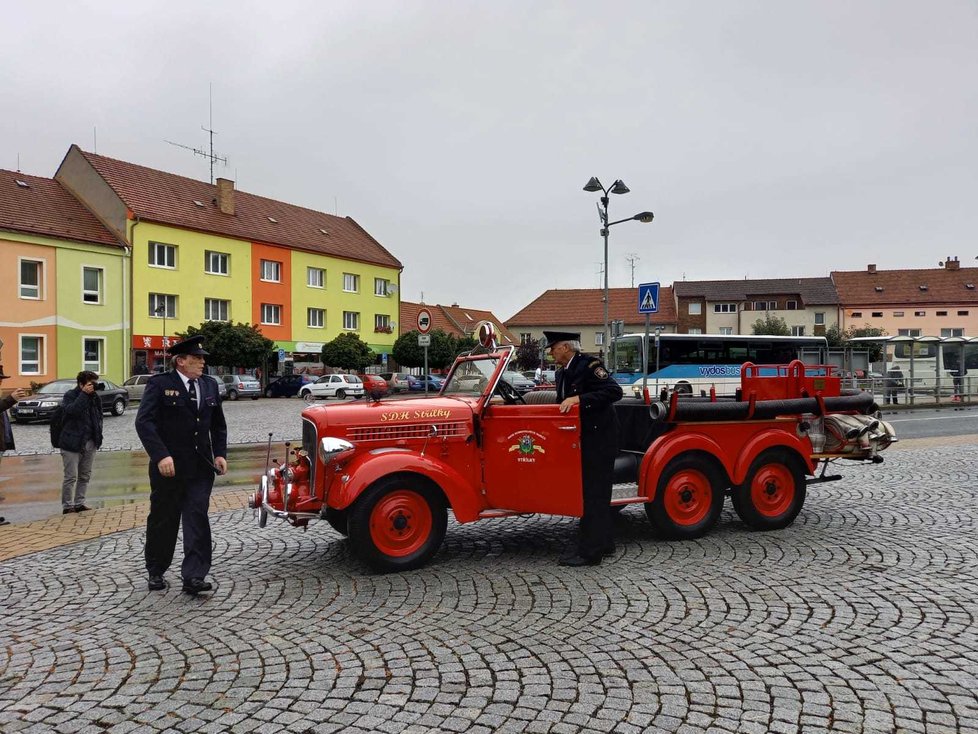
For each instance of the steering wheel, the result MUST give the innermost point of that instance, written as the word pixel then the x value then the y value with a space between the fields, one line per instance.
pixel 509 394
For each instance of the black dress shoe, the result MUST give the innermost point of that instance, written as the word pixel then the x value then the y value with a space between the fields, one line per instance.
pixel 195 586
pixel 82 508
pixel 156 583
pixel 609 550
pixel 577 560
pixel 67 510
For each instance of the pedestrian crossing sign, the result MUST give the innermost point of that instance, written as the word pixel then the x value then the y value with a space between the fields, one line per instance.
pixel 648 298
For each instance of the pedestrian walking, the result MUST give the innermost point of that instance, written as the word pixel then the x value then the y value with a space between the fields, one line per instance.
pixel 7 434
pixel 584 381
pixel 181 425
pixel 893 385
pixel 81 437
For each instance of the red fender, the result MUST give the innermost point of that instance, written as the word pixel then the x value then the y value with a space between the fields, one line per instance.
pixel 769 439
pixel 366 469
pixel 665 449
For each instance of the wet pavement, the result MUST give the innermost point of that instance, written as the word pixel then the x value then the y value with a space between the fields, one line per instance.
pixel 861 617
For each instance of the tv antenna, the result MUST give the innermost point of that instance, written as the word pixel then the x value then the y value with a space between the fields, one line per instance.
pixel 210 155
pixel 632 257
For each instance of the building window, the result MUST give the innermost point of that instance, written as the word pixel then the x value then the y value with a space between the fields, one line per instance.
pixel 791 305
pixel 942 313
pixel 271 314
pixel 271 271
pixel 216 310
pixel 695 308
pixel 315 277
pixel 315 318
pixel 798 331
pixel 30 278
pixel 599 338
pixel 772 305
pixel 31 354
pixel 162 306
pixel 962 313
pixel 724 308
pixel 819 318
pixel 382 324
pixel 760 305
pixel 857 314
pixel 92 351
pixel 726 330
pixel 382 287
pixel 908 332
pixel 351 283
pixel 216 263
pixel 525 338
pixel 919 313
pixel 162 256
pixel 695 331
pixel 351 320
pixel 877 314
pixel 92 285
pixel 952 332
pixel 896 314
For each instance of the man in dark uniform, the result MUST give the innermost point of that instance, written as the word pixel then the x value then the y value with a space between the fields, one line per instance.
pixel 182 427
pixel 584 381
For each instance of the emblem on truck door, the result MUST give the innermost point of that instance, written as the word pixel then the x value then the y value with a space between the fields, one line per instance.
pixel 527 447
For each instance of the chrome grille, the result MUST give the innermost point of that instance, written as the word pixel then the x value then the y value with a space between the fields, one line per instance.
pixel 406 431
pixel 309 437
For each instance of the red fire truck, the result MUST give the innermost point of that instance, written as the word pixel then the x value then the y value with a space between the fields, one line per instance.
pixel 386 471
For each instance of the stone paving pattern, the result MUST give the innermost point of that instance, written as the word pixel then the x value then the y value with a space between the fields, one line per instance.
pixel 861 617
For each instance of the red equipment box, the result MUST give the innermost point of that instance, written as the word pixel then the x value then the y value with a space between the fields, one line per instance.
pixel 787 381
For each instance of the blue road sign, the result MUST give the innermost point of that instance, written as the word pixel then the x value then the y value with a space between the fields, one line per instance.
pixel 648 298
pixel 281 354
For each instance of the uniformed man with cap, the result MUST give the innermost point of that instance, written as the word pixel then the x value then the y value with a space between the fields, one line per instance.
pixel 182 427
pixel 584 381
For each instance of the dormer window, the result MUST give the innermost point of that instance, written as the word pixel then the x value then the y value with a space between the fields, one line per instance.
pixel 198 203
pixel 969 286
pixel 879 289
pixel 323 231
pixel 273 220
pixel 22 184
pixel 922 287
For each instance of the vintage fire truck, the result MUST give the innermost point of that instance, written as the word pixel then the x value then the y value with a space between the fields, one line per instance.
pixel 385 472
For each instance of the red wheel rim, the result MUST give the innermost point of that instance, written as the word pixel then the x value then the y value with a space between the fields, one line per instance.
pixel 772 490
pixel 400 523
pixel 688 497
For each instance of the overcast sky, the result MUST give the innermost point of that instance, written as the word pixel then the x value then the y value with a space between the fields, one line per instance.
pixel 771 139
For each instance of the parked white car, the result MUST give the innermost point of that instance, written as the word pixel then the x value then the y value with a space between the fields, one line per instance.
pixel 332 386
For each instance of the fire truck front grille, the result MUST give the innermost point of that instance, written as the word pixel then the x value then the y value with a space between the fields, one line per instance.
pixel 406 431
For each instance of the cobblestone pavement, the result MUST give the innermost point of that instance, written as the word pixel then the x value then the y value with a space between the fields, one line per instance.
pixel 861 617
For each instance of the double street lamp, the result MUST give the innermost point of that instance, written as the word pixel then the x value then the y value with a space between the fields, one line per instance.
pixel 618 187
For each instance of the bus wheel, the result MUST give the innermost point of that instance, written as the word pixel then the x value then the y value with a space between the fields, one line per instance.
pixel 338 520
pixel 398 524
pixel 688 498
pixel 683 388
pixel 773 492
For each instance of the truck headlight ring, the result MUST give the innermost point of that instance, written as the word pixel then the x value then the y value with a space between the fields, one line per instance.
pixel 332 448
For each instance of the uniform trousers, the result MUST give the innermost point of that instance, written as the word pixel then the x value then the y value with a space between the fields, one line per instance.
pixel 78 472
pixel 183 498
pixel 597 468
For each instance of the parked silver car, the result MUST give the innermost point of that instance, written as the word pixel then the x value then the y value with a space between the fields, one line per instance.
pixel 242 386
pixel 136 385
pixel 397 381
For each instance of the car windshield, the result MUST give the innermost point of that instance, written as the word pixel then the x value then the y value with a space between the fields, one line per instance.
pixel 470 377
pixel 59 387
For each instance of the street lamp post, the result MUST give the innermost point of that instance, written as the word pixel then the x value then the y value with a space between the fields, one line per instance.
pixel 618 187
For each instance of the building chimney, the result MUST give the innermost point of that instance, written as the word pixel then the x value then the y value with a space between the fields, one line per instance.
pixel 225 195
pixel 871 268
pixel 954 264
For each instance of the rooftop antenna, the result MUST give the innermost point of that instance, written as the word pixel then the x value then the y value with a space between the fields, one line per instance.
pixel 632 258
pixel 211 156
pixel 18 163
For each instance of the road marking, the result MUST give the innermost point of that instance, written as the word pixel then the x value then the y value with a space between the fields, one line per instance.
pixel 935 418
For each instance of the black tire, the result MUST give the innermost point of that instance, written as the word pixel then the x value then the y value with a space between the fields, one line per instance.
pixel 268 393
pixel 403 510
pixel 773 491
pixel 339 520
pixel 688 498
pixel 307 396
pixel 340 394
pixel 232 394
pixel 683 388
pixel 118 407
pixel 254 397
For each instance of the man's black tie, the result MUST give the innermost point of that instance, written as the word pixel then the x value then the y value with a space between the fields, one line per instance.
pixel 192 389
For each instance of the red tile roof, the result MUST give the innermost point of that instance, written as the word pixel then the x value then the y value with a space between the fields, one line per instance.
pixel 454 319
pixel 170 199
pixel 903 287
pixel 46 208
pixel 557 307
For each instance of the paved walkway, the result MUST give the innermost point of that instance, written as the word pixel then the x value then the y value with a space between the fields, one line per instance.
pixel 861 617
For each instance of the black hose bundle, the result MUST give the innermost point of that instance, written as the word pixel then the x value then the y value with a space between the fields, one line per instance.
pixel 686 410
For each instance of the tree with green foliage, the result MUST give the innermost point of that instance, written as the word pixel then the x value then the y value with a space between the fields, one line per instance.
pixel 771 326
pixel 347 352
pixel 233 345
pixel 444 347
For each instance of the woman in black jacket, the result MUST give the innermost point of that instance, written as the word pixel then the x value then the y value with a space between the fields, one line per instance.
pixel 81 437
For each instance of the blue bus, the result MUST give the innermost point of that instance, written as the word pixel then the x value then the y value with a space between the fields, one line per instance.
pixel 693 363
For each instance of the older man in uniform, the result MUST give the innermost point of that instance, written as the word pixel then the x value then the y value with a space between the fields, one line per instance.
pixel 584 381
pixel 182 427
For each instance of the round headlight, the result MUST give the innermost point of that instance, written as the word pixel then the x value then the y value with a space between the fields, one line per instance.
pixel 331 447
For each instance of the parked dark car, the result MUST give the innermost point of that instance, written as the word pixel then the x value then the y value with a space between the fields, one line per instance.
pixel 518 382
pixel 288 386
pixel 241 386
pixel 40 405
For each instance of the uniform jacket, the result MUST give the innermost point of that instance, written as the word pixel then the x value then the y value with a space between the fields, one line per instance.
pixel 587 378
pixel 169 425
pixel 80 409
pixel 6 434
